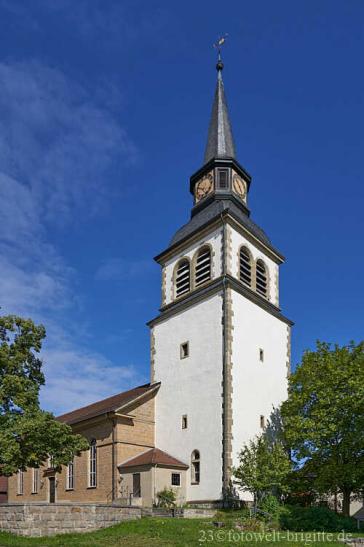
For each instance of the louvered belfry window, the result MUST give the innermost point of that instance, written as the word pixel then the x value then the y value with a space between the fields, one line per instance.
pixel 245 266
pixel 261 278
pixel 203 266
pixel 183 278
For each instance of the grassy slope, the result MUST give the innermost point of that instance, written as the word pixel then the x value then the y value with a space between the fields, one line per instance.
pixel 144 532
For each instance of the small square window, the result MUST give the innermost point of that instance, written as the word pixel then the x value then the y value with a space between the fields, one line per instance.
pixel 176 479
pixel 262 421
pixel 184 350
pixel 184 421
pixel 261 355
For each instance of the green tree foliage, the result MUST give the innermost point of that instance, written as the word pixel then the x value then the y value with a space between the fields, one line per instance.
pixel 263 468
pixel 324 418
pixel 28 435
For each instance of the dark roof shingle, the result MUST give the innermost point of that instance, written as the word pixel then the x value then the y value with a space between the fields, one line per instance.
pixel 106 405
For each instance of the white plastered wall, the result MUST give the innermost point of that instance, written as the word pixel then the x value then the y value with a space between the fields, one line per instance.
pixel 192 387
pixel 258 387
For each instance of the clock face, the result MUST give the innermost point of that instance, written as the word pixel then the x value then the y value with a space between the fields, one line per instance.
pixel 203 187
pixel 239 186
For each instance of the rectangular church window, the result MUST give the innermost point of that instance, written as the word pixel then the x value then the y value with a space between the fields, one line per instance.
pixel 261 355
pixel 184 421
pixel 262 421
pixel 184 350
pixel 176 479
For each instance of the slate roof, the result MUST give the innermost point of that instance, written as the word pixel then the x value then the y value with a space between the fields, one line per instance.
pixel 220 141
pixel 110 404
pixel 214 210
pixel 155 456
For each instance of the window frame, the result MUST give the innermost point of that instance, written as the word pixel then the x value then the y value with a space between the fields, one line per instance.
pixel 220 171
pixel 175 474
pixel 35 480
pixel 184 259
pixel 70 475
pixel 182 353
pixel 195 467
pixel 92 465
pixel 259 291
pixel 200 251
pixel 20 483
pixel 249 254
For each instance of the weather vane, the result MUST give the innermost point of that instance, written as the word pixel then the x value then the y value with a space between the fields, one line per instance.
pixel 218 45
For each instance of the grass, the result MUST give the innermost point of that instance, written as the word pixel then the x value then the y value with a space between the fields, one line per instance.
pixel 149 532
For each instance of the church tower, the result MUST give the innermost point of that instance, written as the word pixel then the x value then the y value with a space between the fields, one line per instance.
pixel 220 345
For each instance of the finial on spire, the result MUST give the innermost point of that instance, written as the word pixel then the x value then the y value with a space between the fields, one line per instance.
pixel 218 45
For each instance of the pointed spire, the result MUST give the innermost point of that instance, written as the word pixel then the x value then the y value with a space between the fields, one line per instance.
pixel 220 142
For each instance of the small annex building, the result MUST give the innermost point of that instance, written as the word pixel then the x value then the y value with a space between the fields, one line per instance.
pixel 147 474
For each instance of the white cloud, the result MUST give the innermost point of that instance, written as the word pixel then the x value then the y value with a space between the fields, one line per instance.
pixel 56 145
pixel 77 377
pixel 57 140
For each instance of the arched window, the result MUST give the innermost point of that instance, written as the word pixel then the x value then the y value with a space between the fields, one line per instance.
pixel 245 266
pixel 195 467
pixel 183 281
pixel 261 278
pixel 92 480
pixel 203 266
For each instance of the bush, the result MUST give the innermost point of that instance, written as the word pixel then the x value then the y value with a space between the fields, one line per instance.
pixel 166 498
pixel 318 519
pixel 270 505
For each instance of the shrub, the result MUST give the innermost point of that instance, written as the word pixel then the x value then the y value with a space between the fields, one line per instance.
pixel 318 519
pixel 166 498
pixel 270 505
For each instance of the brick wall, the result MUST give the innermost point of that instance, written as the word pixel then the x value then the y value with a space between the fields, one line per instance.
pixel 45 520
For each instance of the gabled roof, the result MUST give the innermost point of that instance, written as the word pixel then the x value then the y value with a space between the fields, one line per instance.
pixel 153 457
pixel 111 404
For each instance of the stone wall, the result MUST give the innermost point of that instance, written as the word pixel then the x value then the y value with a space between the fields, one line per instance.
pixel 191 513
pixel 45 520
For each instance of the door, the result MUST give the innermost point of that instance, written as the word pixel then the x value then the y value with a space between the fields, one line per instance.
pixel 52 489
pixel 136 485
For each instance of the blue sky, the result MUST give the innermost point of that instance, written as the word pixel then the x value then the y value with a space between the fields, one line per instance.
pixel 104 109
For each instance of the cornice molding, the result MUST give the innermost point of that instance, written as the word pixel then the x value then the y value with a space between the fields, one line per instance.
pixel 214 287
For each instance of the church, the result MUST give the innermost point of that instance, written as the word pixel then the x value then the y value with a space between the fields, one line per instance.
pixel 219 359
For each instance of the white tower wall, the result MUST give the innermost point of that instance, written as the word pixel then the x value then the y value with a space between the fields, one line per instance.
pixel 192 387
pixel 258 386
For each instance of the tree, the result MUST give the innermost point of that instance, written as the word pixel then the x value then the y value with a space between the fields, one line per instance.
pixel 263 468
pixel 28 435
pixel 324 417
